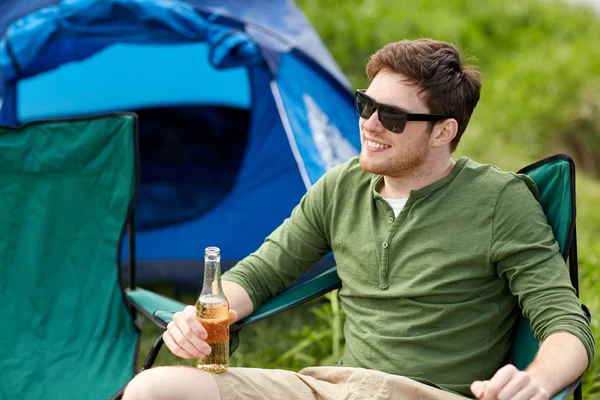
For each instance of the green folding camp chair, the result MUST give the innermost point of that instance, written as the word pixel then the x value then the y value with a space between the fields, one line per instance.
pixel 66 189
pixel 555 178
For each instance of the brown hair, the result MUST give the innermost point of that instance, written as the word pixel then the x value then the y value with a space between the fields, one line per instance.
pixel 448 86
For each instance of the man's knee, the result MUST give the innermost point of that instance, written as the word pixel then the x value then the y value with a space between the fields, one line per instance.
pixel 143 385
pixel 172 383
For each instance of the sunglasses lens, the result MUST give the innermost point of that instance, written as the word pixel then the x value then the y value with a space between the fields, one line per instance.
pixel 392 120
pixel 364 107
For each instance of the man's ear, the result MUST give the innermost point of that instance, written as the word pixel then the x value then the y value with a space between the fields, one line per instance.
pixel 443 132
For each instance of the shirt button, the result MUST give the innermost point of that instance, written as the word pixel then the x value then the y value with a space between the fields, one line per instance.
pixel 391 219
pixel 384 275
pixel 385 245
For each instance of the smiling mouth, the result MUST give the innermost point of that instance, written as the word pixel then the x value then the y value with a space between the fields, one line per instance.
pixel 376 145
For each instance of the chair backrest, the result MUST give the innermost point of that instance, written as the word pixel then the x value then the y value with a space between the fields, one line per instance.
pixel 66 190
pixel 555 179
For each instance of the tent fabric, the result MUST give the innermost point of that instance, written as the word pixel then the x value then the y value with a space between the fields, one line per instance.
pixel 66 188
pixel 116 20
pixel 268 167
pixel 316 119
pixel 125 85
pixel 44 40
pixel 281 17
pixel 196 72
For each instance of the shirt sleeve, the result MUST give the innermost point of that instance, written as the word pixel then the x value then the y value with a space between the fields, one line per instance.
pixel 526 253
pixel 295 246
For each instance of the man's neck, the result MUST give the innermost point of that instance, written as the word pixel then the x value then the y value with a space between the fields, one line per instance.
pixel 399 187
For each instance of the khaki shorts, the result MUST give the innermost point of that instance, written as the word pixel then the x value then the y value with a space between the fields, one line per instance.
pixel 323 383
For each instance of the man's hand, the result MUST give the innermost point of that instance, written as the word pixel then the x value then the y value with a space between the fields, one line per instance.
pixel 509 383
pixel 185 336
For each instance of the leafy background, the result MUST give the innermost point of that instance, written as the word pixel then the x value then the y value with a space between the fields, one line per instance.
pixel 541 74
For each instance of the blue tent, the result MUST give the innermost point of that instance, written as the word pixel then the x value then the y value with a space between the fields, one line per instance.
pixel 241 108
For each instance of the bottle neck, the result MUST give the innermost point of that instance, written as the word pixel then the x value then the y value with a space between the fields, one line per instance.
pixel 212 278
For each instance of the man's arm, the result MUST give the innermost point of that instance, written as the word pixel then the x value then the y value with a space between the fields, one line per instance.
pixel 527 256
pixel 238 298
pixel 561 359
pixel 295 246
pixel 291 249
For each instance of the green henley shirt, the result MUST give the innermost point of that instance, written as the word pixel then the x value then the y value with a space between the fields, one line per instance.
pixel 434 293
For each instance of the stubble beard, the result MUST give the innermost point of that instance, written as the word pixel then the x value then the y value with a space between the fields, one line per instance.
pixel 406 163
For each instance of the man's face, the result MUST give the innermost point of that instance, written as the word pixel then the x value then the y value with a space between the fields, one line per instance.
pixel 384 152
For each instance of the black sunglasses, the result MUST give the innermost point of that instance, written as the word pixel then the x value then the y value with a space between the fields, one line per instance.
pixel 392 118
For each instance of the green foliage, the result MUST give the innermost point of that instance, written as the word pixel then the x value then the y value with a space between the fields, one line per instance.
pixel 315 338
pixel 539 59
pixel 588 233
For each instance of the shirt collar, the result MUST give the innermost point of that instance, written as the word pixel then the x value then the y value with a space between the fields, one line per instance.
pixel 377 181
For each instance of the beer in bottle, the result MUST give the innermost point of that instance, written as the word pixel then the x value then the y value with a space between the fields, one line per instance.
pixel 212 309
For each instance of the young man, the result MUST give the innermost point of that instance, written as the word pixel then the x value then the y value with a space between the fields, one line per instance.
pixel 437 258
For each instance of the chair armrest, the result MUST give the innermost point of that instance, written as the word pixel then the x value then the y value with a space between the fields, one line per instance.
pixel 309 290
pixel 562 395
pixel 150 303
pixel 566 393
pixel 306 291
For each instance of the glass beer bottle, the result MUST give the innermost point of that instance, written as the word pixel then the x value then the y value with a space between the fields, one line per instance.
pixel 212 310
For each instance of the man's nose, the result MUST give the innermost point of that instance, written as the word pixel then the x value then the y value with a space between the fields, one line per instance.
pixel 373 124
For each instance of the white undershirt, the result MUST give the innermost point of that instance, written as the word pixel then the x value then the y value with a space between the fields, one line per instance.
pixel 396 204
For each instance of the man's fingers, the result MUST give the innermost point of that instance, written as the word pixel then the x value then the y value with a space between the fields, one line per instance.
pixel 175 348
pixel 198 350
pixel 520 386
pixel 191 318
pixel 185 335
pixel 509 383
pixel 526 392
pixel 478 387
pixel 541 395
pixel 182 321
pixel 233 316
pixel 500 378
